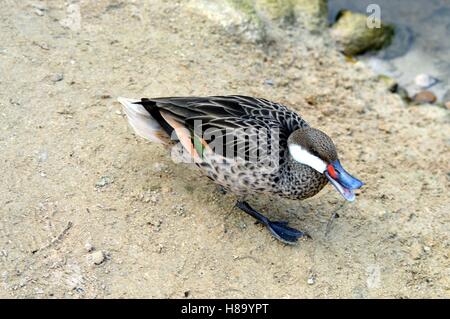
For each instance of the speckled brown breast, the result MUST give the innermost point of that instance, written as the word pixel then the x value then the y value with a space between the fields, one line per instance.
pixel 289 180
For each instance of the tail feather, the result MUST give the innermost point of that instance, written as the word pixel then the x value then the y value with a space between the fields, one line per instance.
pixel 142 122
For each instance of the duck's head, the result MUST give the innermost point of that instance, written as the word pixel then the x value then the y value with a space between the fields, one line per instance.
pixel 314 148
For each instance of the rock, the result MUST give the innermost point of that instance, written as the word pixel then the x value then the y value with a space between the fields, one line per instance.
pixel 159 167
pixel 391 83
pixel 270 9
pixel 57 77
pixel 43 156
pixel 425 81
pixel 104 180
pixel 39 6
pixel 72 20
pixel 97 257
pixel 88 246
pixel 39 12
pixel 403 93
pixel 179 210
pixel 424 97
pixel 236 17
pixel 262 20
pixel 416 251
pixel 311 280
pixel 354 36
pixel 312 12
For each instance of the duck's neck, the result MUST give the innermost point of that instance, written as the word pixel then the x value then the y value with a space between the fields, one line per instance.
pixel 299 181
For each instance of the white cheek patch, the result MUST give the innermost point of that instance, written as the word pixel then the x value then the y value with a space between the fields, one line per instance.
pixel 303 156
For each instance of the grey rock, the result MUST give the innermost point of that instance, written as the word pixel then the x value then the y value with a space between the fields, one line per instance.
pixel 57 77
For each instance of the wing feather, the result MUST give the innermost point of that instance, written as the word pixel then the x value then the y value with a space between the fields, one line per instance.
pixel 238 121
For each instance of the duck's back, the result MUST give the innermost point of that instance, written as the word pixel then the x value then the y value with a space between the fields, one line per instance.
pixel 240 142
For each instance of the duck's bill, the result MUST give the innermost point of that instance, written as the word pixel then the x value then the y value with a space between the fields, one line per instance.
pixel 344 183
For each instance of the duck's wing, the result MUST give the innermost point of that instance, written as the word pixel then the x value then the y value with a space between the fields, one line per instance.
pixel 240 123
pixel 216 107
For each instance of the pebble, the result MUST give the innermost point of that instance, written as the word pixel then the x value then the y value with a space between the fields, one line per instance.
pixel 89 247
pixel 38 12
pixel 97 257
pixel 57 77
pixel 424 97
pixel 159 167
pixel 43 156
pixel 416 251
pixel 179 210
pixel 104 180
pixel 311 281
pixel 425 81
pixel 39 6
pixel 403 93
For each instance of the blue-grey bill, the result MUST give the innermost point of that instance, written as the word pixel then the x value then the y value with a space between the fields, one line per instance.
pixel 348 194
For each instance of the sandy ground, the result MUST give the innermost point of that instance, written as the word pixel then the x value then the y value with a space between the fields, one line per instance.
pixel 90 210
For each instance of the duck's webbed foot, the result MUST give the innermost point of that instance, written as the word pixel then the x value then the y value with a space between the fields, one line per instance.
pixel 279 229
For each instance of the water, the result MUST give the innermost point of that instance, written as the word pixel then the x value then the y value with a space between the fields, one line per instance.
pixel 421 44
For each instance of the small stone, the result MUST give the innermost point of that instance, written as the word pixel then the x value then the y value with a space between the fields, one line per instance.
pixel 38 12
pixel 403 93
pixel 97 257
pixel 43 156
pixel 159 167
pixel 57 77
pixel 118 112
pixel 424 97
pixel 88 246
pixel 39 6
pixel 415 251
pixel 425 81
pixel 154 199
pixel 268 82
pixel 104 180
pixel 311 281
pixel 426 249
pixel 391 83
pixel 242 225
pixel 179 210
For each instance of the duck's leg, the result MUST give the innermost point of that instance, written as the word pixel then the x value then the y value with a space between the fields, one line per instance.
pixel 279 229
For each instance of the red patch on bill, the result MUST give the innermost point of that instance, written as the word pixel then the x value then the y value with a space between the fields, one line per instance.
pixel 331 171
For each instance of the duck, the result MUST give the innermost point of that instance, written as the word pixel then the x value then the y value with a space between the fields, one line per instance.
pixel 248 146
